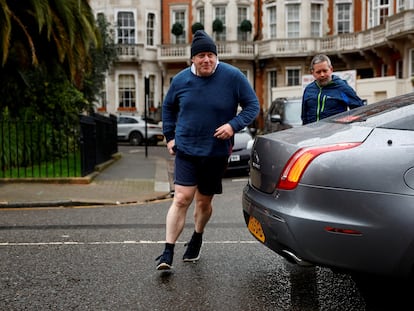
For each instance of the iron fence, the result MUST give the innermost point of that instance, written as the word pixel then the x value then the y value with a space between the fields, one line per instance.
pixel 41 149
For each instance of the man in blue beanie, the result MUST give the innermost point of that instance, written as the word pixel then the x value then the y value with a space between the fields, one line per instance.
pixel 199 116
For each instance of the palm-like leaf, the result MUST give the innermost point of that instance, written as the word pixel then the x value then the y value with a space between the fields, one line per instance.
pixel 48 30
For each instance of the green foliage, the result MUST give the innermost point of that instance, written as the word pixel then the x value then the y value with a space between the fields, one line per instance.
pixel 177 29
pixel 69 166
pixel 31 145
pixel 54 57
pixel 53 42
pixel 246 26
pixel 196 26
pixel 218 26
pixel 102 58
pixel 48 32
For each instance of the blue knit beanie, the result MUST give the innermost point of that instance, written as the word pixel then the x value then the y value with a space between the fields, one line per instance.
pixel 202 43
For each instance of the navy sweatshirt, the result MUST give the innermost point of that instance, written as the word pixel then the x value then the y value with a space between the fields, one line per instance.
pixel 195 106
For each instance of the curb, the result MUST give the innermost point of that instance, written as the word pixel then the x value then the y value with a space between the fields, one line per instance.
pixel 155 189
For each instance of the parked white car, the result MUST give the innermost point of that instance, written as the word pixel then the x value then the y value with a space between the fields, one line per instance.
pixel 132 129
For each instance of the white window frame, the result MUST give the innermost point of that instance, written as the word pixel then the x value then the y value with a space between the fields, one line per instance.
pixel 317 22
pixel 182 39
pixel 135 91
pixel 271 24
pixel 403 5
pixel 375 8
pixel 351 15
pixel 242 36
pixel 133 38
pixel 201 15
pixel 223 35
pixel 152 78
pixel 295 33
pixel 291 69
pixel 151 30
pixel 270 85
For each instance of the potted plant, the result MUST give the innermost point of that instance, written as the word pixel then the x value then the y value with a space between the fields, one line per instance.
pixel 177 29
pixel 197 26
pixel 218 25
pixel 246 26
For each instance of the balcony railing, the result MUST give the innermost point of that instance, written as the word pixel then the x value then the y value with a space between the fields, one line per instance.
pixel 398 25
pixel 227 49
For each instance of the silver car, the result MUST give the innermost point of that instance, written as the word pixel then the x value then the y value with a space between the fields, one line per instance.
pixel 132 129
pixel 338 193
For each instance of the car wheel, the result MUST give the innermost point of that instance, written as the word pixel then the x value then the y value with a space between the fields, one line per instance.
pixel 135 138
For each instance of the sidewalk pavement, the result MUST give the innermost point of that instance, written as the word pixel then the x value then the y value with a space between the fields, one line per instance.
pixel 129 177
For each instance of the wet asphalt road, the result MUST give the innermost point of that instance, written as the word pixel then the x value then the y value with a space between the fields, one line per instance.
pixel 103 258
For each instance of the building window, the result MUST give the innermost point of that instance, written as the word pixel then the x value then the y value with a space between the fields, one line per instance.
pixel 151 95
pixel 412 63
pixel 343 18
pixel 379 10
pixel 399 67
pixel 126 28
pixel 293 20
pixel 179 17
pixel 293 77
pixel 150 29
pixel 272 78
pixel 316 20
pixel 201 16
pixel 102 98
pixel 241 16
pixel 220 13
pixel 403 5
pixel 126 92
pixel 272 82
pixel 271 18
pixel 400 5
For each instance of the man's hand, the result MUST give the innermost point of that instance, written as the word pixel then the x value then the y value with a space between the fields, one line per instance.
pixel 224 132
pixel 170 146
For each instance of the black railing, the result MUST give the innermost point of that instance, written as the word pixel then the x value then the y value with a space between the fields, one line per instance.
pixel 39 149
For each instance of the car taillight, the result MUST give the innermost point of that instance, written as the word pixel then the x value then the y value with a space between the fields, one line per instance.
pixel 300 160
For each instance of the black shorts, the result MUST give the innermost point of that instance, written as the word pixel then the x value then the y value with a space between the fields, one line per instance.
pixel 204 172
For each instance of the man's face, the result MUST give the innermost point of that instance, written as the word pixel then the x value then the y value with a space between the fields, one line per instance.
pixel 205 63
pixel 322 73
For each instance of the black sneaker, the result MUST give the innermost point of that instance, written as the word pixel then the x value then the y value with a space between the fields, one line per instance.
pixel 192 252
pixel 165 260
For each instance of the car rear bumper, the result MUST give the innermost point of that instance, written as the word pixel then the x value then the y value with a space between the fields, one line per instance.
pixel 300 235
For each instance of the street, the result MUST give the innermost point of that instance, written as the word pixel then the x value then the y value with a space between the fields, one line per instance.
pixel 103 258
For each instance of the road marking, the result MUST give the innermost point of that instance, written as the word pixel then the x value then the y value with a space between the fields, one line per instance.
pixel 113 243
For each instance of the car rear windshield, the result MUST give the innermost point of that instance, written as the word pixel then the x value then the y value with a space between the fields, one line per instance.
pixel 381 113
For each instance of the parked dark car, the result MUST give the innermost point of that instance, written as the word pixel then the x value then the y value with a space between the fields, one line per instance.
pixel 283 113
pixel 339 192
pixel 132 129
pixel 240 156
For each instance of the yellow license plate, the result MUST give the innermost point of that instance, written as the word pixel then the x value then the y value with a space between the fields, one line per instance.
pixel 256 229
